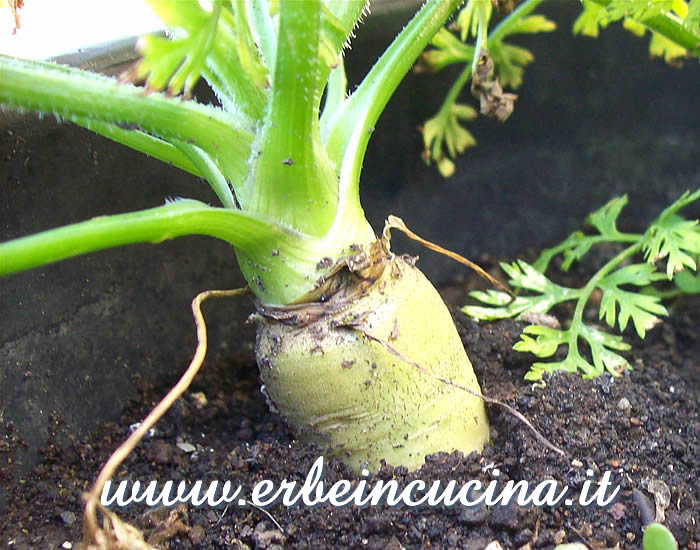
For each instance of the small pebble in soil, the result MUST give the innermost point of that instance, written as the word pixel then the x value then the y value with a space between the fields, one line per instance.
pixel 505 517
pixel 186 447
pixel 265 538
pixel 199 399
pixel 473 515
pixel 662 497
pixel 159 452
pixel 68 517
pixel 196 535
pixel 151 432
pixel 625 406
pixel 245 432
pixel 523 537
pixel 617 510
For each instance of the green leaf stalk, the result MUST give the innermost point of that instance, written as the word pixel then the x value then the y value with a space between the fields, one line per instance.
pixel 285 165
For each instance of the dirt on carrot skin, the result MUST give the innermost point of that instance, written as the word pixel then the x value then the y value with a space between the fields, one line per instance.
pixel 641 427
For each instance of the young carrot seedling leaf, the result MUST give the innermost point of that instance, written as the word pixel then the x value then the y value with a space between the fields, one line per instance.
pixel 642 309
pixel 178 64
pixel 548 340
pixel 673 24
pixel 521 276
pixel 443 136
pixel 576 245
pixel 673 237
pixel 692 19
pixel 444 131
pixel 688 282
pixel 592 18
pixel 510 61
pixel 669 237
pixel 675 35
pixel 637 9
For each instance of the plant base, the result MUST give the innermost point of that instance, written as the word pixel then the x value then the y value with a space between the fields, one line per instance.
pixel 350 393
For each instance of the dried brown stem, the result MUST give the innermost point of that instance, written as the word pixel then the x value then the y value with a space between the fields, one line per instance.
pixel 91 531
pixel 394 222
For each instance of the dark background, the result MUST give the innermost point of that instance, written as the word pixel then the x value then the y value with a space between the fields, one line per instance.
pixel 594 119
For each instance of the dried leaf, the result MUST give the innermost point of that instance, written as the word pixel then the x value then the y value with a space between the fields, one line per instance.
pixel 493 101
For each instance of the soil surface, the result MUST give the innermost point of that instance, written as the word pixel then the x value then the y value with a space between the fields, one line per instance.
pixel 643 428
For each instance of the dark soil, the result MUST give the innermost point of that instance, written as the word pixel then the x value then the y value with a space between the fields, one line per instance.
pixel 641 427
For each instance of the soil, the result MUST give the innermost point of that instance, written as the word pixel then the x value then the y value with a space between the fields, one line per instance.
pixel 642 427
